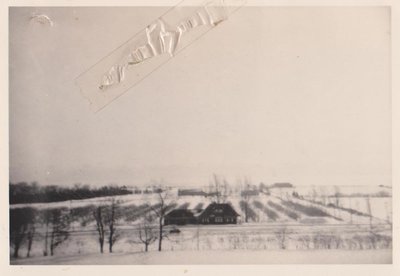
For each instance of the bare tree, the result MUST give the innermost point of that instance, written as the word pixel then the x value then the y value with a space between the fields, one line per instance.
pixel 59 233
pixel 388 215
pixel 219 189
pixel 336 240
pixel 46 218
pixel 281 237
pixel 112 216
pixel 57 225
pixel 216 189
pixel 337 199
pixel 351 213
pixel 306 241
pixel 98 215
pixel 369 212
pixel 164 204
pixel 314 194
pixel 30 235
pixel 106 218
pixel 147 231
pixel 21 220
pixel 246 199
pixel 322 190
pixel 82 215
pixel 337 196
pixel 359 241
pixel 226 190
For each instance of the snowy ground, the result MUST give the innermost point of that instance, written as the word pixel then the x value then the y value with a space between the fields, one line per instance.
pixel 250 237
pixel 218 257
pixel 259 240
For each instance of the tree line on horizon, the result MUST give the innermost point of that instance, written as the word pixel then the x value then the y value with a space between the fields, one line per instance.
pixel 23 192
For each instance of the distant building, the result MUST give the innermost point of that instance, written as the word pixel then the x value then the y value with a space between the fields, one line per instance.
pixel 282 185
pixel 250 193
pixel 212 194
pixel 191 192
pixel 215 213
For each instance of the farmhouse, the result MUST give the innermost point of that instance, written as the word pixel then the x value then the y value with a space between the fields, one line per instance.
pixel 218 213
pixel 215 213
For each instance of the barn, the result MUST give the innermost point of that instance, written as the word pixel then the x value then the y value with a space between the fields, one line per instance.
pixel 215 213
pixel 180 217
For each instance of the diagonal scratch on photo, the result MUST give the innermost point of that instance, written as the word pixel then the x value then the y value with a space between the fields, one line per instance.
pixel 215 133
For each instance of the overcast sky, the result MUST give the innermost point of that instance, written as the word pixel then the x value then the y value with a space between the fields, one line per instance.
pixel 274 94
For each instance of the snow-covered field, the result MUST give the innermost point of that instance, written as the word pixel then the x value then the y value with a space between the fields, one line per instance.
pixel 278 225
pixel 380 206
pixel 218 257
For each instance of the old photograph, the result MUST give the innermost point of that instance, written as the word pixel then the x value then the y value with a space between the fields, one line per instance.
pixel 208 132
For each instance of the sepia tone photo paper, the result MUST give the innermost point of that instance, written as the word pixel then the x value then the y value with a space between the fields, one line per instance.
pixel 195 137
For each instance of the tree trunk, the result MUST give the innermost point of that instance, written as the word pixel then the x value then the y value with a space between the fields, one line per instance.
pixel 160 235
pixel 110 241
pixel 246 212
pixel 146 247
pixel 100 227
pixel 45 253
pixel 110 238
pixel 16 249
pixel 101 241
pixel 52 244
pixel 30 241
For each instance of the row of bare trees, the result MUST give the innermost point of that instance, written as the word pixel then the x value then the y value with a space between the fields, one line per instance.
pixel 150 227
pixel 106 217
pixel 53 225
pixel 23 227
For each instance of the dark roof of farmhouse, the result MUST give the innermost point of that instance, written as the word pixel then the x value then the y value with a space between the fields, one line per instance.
pixel 180 213
pixel 225 208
